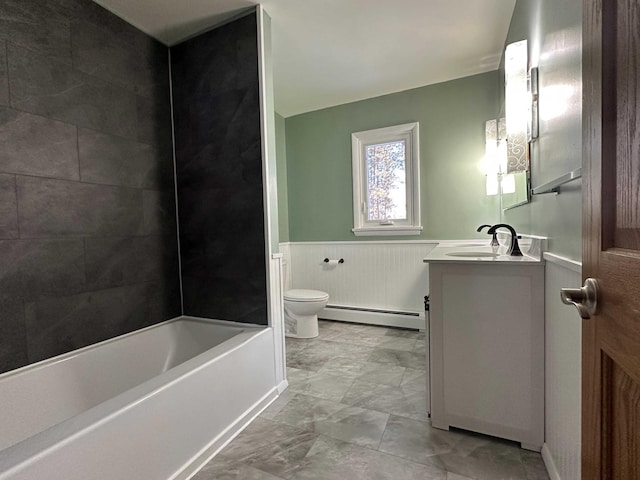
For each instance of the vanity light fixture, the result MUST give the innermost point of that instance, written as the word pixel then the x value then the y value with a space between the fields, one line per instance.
pixel 517 106
pixel 495 155
pixel 492 167
pixel 533 95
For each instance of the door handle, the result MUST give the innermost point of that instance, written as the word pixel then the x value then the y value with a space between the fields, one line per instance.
pixel 585 299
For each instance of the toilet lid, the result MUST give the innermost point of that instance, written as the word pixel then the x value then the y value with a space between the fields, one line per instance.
pixel 302 295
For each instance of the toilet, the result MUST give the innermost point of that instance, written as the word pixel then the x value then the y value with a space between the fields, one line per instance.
pixel 301 308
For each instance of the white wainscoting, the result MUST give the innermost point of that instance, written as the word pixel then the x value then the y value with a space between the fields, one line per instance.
pixel 563 370
pixel 386 277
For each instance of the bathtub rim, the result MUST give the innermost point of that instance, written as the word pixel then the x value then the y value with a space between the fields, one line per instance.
pixel 49 439
pixel 74 353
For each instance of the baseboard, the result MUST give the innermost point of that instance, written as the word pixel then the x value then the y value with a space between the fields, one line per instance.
pixel 549 463
pixel 416 322
pixel 223 439
pixel 282 386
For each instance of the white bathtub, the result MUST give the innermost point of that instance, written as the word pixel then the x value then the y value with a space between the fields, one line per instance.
pixel 150 405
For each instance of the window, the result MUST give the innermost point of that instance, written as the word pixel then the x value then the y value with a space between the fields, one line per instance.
pixel 386 187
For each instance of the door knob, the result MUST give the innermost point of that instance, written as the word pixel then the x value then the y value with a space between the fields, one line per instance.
pixel 585 299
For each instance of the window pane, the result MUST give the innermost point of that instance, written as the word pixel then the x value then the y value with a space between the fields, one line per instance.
pixel 386 181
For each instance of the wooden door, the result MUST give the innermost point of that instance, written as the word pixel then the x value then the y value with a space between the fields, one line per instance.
pixel 611 239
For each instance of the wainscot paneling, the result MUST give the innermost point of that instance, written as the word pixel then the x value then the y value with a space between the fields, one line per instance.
pixel 379 276
pixel 563 339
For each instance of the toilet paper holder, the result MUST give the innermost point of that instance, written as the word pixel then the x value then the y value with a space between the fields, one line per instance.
pixel 326 260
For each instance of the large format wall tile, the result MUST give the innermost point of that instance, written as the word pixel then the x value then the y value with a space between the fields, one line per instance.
pixel 31 268
pixel 78 190
pixel 4 78
pixel 13 347
pixel 41 26
pixel 115 160
pixel 8 207
pixel 107 54
pixel 52 89
pixel 153 116
pixel 57 207
pixel 57 325
pixel 219 173
pixel 159 212
pixel 116 261
pixel 34 145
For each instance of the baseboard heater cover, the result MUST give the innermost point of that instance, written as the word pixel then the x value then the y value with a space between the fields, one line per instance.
pixel 371 316
pixel 374 310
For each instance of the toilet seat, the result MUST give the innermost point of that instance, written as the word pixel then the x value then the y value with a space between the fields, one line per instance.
pixel 304 295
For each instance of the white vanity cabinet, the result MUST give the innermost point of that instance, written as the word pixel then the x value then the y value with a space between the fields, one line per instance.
pixel 487 347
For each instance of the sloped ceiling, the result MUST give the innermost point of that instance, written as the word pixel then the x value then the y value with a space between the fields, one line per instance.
pixel 330 52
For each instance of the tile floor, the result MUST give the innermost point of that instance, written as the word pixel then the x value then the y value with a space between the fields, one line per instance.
pixel 355 410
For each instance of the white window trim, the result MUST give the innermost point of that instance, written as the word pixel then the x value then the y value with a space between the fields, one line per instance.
pixel 412 226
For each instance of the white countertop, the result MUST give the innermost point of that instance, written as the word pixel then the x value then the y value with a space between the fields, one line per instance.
pixel 440 255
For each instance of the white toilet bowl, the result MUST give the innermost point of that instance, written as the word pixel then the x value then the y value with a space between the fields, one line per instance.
pixel 301 308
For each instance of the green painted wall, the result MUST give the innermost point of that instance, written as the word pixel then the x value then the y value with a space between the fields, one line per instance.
pixel 451 116
pixel 283 196
pixel 553 29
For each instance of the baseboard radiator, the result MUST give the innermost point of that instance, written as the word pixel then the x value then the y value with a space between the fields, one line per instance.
pixel 373 316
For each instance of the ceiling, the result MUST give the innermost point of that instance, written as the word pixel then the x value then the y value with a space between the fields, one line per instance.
pixel 330 52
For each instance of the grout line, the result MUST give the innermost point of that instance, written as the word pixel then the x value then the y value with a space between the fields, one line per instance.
pixel 15 189
pixel 175 181
pixel 78 153
pixel 83 182
pixel 6 64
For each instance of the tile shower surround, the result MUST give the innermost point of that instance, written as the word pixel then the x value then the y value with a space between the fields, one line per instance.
pixel 219 173
pixel 88 243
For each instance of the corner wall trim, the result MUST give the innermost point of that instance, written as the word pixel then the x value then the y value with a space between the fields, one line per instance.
pixel 549 463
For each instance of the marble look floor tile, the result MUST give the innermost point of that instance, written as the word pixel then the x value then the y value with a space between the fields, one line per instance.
pixel 233 471
pixel 277 405
pixel 398 343
pixel 295 344
pixel 345 367
pixel 342 422
pixel 303 360
pixel 414 379
pixel 417 441
pixel 455 476
pixel 399 358
pixel 533 465
pixel 304 410
pixel 484 458
pixel 330 459
pixel 381 374
pixel 402 333
pixel 395 400
pixel 259 433
pixel 276 458
pixel 420 347
pixel 320 385
pixel 371 339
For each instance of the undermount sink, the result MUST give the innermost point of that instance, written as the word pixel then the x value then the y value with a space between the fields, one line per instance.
pixel 472 254
pixel 458 245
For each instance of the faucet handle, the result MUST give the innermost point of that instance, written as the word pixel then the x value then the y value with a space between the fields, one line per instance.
pixel 494 238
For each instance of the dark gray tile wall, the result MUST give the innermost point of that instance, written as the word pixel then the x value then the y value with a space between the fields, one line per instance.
pixel 88 243
pixel 219 173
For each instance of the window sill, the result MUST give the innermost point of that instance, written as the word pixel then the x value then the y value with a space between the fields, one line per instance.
pixel 385 231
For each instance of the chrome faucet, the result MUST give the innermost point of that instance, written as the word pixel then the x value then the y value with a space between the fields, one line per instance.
pixel 514 248
pixel 494 239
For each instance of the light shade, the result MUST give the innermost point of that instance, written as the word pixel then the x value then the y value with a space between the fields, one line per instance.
pixel 517 106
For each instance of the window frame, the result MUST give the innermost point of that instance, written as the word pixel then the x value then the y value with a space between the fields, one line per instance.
pixel 409 132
